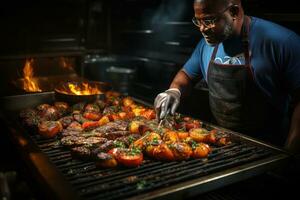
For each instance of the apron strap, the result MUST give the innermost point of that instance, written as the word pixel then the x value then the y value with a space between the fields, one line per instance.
pixel 213 56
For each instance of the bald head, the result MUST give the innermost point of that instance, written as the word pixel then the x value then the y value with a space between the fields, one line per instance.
pixel 213 5
pixel 218 1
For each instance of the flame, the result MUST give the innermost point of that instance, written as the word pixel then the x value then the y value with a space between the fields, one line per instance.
pixel 29 84
pixel 80 89
pixel 66 63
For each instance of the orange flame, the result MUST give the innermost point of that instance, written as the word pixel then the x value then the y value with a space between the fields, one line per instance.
pixel 80 89
pixel 29 84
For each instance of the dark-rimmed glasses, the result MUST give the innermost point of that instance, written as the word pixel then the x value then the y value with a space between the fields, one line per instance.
pixel 209 23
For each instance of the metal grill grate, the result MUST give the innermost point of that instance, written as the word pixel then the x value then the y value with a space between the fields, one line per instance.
pixel 96 183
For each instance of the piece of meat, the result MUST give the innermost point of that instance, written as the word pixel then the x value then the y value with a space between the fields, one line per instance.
pixel 29 117
pixel 81 152
pixel 119 125
pixel 104 147
pixel 62 107
pixel 50 113
pixel 70 132
pixel 66 121
pixel 115 134
pixel 92 107
pixel 111 110
pixel 127 140
pixel 79 117
pixel 72 140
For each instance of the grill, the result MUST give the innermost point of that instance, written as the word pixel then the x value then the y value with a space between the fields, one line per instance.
pixel 66 178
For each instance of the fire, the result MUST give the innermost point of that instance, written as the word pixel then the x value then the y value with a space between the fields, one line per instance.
pixel 29 84
pixel 81 89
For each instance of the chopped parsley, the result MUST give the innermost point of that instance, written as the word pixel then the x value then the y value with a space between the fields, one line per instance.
pixel 141 184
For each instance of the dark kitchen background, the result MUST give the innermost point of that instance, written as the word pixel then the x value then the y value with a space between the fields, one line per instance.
pixel 136 45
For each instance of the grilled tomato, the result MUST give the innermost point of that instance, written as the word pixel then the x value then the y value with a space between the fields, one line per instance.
pixel 49 129
pixel 128 157
pixel 201 150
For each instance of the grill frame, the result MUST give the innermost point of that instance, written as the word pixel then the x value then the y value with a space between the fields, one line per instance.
pixel 57 185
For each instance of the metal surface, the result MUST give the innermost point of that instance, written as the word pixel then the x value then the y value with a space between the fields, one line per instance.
pixel 244 158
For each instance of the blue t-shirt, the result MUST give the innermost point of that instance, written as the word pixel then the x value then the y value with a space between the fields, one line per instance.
pixel 275 59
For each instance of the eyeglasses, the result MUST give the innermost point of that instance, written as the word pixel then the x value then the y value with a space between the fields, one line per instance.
pixel 209 23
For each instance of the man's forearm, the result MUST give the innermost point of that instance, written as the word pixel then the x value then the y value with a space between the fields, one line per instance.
pixel 293 140
pixel 182 82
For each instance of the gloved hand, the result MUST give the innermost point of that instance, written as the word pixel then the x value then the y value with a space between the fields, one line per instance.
pixel 165 102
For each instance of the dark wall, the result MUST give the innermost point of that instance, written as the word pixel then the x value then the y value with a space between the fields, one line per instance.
pixel 156 34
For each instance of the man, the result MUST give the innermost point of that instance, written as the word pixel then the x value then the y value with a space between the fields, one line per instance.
pixel 252 68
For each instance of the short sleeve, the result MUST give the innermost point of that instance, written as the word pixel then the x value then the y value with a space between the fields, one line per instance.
pixel 193 67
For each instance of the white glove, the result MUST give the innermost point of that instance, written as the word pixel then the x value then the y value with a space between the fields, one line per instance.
pixel 166 102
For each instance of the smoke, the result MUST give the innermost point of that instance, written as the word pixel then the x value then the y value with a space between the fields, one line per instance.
pixel 169 10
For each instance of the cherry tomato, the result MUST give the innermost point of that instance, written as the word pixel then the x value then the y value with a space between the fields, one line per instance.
pixel 92 116
pixel 90 124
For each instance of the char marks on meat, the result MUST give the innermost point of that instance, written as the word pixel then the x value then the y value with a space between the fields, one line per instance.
pixel 72 140
pixel 104 147
pixel 118 125
pixel 78 140
pixel 81 152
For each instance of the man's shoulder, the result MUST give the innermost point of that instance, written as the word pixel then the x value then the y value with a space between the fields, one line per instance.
pixel 268 30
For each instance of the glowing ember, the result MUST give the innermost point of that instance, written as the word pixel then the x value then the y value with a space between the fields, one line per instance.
pixel 29 84
pixel 80 89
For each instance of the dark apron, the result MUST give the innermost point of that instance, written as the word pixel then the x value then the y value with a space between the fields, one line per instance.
pixel 236 101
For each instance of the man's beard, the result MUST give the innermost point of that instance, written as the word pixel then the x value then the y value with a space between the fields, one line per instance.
pixel 213 39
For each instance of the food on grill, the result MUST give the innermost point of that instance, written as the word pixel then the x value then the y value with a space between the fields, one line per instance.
pixel 81 152
pixel 92 115
pixel 30 117
pixel 50 113
pixel 201 150
pixel 63 107
pixel 49 129
pixel 127 157
pixel 202 135
pixel 106 160
pixel 117 131
pixel 66 121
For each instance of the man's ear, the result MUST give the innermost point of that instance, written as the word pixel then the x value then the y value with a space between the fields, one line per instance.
pixel 234 11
